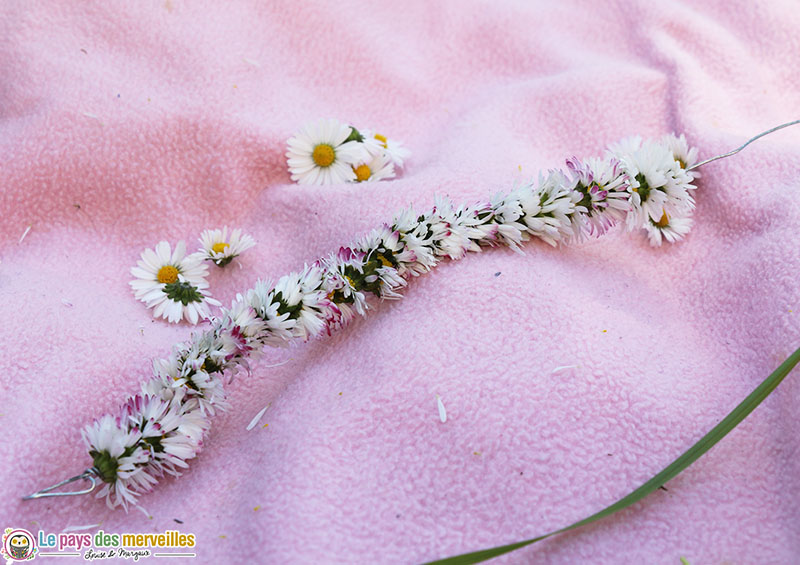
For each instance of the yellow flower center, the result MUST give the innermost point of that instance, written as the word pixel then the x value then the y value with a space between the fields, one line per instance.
pixel 382 139
pixel 362 173
pixel 324 155
pixel 383 260
pixel 167 274
pixel 353 284
pixel 219 247
pixel 663 222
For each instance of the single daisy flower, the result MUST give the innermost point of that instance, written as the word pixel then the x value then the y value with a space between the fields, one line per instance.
pixel 650 167
pixel 339 282
pixel 118 460
pixel 239 330
pixel 199 372
pixel 324 152
pixel 377 168
pixel 279 325
pixel 392 148
pixel 301 296
pixel 604 195
pixel 685 156
pixel 218 248
pixel 172 283
pixel 670 228
pixel 546 210
pixel 162 425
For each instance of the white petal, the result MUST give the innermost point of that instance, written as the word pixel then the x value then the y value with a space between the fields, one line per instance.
pixel 163 252
pixel 442 411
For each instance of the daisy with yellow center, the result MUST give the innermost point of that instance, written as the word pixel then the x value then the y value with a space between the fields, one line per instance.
pixel 217 247
pixel 671 228
pixel 167 274
pixel 377 143
pixel 362 172
pixel 172 283
pixel 324 153
pixel 379 167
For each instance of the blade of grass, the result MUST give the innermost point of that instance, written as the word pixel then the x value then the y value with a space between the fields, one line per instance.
pixel 671 471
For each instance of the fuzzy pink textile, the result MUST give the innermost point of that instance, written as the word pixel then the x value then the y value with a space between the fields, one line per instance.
pixel 124 123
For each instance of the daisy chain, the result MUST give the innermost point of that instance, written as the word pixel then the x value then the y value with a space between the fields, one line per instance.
pixel 643 184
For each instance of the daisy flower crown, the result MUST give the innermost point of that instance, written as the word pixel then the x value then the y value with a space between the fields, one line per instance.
pixel 643 184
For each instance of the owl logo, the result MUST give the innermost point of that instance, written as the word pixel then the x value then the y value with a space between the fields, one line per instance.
pixel 18 545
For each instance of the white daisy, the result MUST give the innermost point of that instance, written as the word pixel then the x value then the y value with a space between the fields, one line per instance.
pixel 603 187
pixel 681 151
pixel 650 167
pixel 302 296
pixel 452 229
pixel 322 154
pixel 218 248
pixel 670 228
pixel 547 209
pixel 681 178
pixel 118 460
pixel 478 218
pixel 171 433
pixel 196 368
pixel 378 167
pixel 238 331
pixel 508 211
pixel 393 249
pixel 339 271
pixel 377 271
pixel 199 372
pixel 393 149
pixel 418 239
pixel 372 144
pixel 195 423
pixel 279 325
pixel 172 283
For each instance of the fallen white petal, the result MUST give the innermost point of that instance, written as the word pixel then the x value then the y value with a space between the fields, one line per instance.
pixel 276 364
pixel 563 368
pixel 255 420
pixel 143 511
pixel 25 233
pixel 66 302
pixel 442 411
pixel 79 528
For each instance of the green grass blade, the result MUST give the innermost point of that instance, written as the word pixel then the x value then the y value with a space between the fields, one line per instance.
pixel 671 471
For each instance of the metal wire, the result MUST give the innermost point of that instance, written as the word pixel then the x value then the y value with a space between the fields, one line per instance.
pixel 749 141
pixel 88 474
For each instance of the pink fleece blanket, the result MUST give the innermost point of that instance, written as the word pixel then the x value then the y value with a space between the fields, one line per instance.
pixel 124 123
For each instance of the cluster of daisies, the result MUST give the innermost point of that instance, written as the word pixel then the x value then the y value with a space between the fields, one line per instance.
pixel 174 283
pixel 645 184
pixel 330 152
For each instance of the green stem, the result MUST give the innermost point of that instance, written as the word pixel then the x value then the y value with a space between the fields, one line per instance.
pixel 671 471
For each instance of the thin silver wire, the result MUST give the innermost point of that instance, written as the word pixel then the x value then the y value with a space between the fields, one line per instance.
pixel 749 141
pixel 88 474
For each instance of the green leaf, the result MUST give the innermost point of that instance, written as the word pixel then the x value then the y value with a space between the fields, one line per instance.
pixel 670 472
